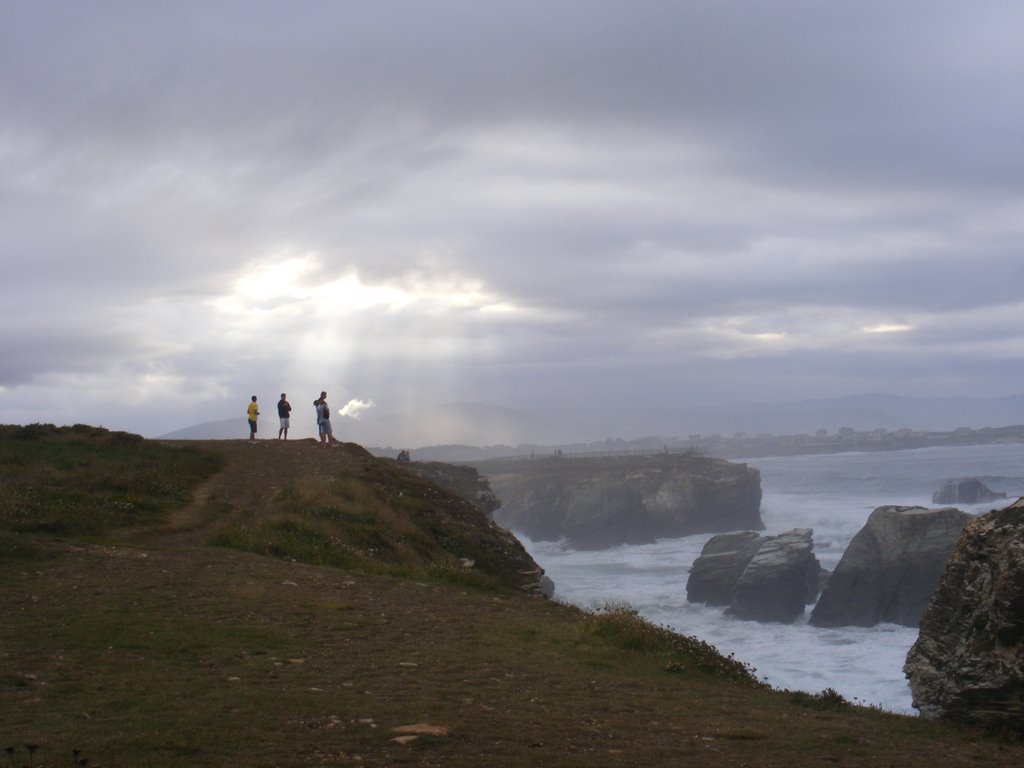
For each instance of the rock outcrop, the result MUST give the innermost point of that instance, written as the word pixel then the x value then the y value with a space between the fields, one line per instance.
pixel 762 578
pixel 715 574
pixel 779 580
pixel 457 513
pixel 968 662
pixel 968 490
pixel 459 479
pixel 601 502
pixel 891 568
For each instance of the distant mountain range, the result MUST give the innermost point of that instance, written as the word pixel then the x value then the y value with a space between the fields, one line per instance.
pixel 479 424
pixel 861 412
pixel 455 423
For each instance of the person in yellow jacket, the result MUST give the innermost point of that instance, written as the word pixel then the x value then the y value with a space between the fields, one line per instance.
pixel 252 413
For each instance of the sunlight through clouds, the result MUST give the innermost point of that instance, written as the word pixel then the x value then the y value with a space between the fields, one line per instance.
pixel 603 202
pixel 888 328
pixel 350 294
pixel 799 328
pixel 275 280
pixel 305 280
pixel 729 343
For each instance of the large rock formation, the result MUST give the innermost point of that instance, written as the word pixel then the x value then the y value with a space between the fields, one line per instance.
pixel 891 567
pixel 715 574
pixel 968 661
pixel 763 578
pixel 968 490
pixel 601 502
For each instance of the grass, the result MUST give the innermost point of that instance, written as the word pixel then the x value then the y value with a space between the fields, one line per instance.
pixel 141 644
pixel 85 481
pixel 627 631
pixel 379 520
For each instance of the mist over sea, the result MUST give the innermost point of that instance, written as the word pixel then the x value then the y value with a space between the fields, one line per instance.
pixel 833 494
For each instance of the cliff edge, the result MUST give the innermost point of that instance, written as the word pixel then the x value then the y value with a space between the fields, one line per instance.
pixel 968 662
pixel 889 571
pixel 602 502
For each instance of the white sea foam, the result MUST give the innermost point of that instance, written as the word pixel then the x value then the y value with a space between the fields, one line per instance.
pixel 833 494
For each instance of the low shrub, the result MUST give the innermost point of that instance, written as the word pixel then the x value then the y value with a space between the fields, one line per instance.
pixel 624 627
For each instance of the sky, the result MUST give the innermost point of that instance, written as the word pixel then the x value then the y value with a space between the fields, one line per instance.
pixel 533 204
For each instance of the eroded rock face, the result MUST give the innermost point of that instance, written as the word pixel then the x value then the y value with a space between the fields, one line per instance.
pixel 763 578
pixel 465 501
pixel 603 502
pixel 968 661
pixel 715 574
pixel 969 490
pixel 462 480
pixel 891 568
pixel 780 579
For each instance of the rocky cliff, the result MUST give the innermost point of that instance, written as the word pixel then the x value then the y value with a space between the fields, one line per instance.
pixel 457 478
pixel 780 579
pixel 968 661
pixel 467 482
pixel 891 567
pixel 715 574
pixel 762 578
pixel 967 490
pixel 601 502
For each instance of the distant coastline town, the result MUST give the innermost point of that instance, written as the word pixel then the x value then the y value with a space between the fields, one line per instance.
pixel 846 439
pixel 739 445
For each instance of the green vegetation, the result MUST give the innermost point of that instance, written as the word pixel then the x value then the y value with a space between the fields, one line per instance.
pixel 378 519
pixel 84 481
pixel 628 631
pixel 132 641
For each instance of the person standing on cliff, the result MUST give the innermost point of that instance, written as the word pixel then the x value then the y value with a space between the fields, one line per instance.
pixel 252 414
pixel 284 409
pixel 323 420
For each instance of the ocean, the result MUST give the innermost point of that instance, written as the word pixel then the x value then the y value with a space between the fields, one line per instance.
pixel 833 494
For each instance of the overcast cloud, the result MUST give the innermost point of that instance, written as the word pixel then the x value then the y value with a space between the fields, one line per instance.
pixel 522 203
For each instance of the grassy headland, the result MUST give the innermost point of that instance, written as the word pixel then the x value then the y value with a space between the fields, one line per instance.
pixel 216 603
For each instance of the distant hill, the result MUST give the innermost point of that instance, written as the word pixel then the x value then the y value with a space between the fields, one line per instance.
pixel 860 412
pixel 481 424
pixel 225 429
pixel 468 423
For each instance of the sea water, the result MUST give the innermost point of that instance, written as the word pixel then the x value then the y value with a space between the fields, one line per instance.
pixel 834 494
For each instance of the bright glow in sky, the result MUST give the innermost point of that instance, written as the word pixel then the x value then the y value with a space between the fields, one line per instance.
pixel 573 205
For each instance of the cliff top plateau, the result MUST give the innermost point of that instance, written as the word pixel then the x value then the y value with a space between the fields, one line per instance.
pixel 598 502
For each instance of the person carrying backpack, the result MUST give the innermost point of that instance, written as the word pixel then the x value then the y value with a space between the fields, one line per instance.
pixel 323 420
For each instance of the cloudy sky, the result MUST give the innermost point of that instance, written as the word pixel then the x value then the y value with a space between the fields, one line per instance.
pixel 523 203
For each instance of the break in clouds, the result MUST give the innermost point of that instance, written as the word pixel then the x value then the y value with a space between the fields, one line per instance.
pixel 574 203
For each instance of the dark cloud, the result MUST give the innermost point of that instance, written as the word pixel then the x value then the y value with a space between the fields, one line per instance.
pixel 31 354
pixel 515 202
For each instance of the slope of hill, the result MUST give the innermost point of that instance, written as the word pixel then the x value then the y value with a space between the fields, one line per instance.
pixel 135 641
